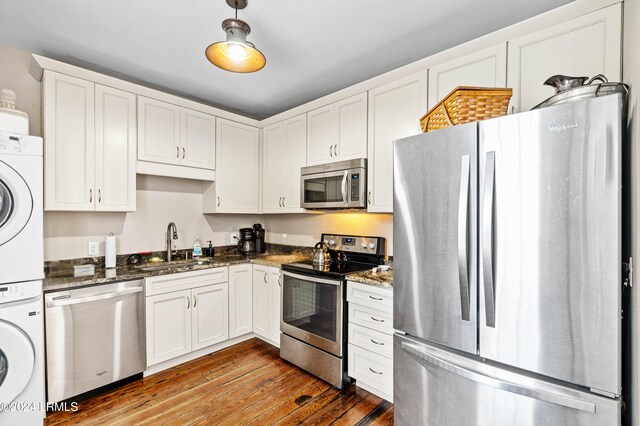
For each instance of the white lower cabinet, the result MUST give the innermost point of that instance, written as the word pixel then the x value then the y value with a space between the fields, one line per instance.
pixel 266 303
pixel 185 312
pixel 240 300
pixel 370 348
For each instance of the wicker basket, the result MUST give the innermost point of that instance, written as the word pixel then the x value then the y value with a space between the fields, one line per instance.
pixel 466 104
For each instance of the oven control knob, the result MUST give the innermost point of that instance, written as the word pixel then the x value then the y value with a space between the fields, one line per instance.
pixel 372 246
pixel 363 245
pixel 332 243
pixel 326 241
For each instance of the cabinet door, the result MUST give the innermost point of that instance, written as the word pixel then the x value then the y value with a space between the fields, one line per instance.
pixel 352 127
pixel 584 46
pixel 322 135
pixel 295 133
pixel 240 300
pixel 274 304
pixel 210 316
pixel 116 144
pixel 168 326
pixel 198 139
pixel 274 167
pixel 394 112
pixel 158 131
pixel 69 148
pixel 484 68
pixel 237 167
pixel 261 301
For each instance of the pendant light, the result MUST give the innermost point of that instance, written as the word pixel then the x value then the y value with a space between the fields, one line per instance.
pixel 236 54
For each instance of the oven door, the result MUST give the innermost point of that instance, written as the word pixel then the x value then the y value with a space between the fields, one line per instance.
pixel 312 311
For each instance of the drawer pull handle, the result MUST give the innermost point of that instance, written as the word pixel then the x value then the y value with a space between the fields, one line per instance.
pixel 376 319
pixel 376 343
pixel 374 371
pixel 375 298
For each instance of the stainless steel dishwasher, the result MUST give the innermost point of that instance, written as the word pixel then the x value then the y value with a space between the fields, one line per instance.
pixel 95 336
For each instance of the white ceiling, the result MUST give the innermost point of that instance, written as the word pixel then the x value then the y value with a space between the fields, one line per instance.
pixel 312 48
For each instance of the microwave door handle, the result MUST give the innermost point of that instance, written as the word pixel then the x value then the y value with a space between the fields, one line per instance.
pixel 344 187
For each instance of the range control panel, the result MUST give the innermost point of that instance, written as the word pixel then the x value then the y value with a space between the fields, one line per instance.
pixel 355 244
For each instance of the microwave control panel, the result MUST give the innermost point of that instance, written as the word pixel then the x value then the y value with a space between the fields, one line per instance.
pixel 355 187
pixel 356 244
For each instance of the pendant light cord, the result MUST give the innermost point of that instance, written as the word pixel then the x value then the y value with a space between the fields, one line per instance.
pixel 236 9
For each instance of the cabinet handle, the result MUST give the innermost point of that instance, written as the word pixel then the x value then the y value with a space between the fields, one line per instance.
pixel 188 302
pixel 265 278
pixel 183 153
pixel 218 201
pixel 375 298
pixel 90 195
pixel 330 152
pixel 280 201
pixel 194 300
pixel 376 343
pixel 376 319
pixel 369 198
pixel 283 204
pixel 280 280
pixel 335 150
pixel 177 152
pixel 99 195
pixel 374 371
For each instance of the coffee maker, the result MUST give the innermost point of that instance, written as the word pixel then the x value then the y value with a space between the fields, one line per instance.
pixel 247 241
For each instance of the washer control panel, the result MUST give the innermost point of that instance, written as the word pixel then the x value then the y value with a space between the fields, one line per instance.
pixel 20 291
pixel 20 144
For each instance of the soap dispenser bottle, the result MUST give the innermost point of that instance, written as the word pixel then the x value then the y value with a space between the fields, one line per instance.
pixel 197 248
pixel 209 251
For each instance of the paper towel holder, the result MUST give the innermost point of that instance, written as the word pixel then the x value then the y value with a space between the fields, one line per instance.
pixel 110 251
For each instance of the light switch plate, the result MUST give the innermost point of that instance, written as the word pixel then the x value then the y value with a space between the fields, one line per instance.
pixel 93 248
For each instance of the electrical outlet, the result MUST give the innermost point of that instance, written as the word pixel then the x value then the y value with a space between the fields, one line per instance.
pixel 232 238
pixel 93 248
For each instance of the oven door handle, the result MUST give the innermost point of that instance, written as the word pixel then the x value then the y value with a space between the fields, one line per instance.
pixel 311 278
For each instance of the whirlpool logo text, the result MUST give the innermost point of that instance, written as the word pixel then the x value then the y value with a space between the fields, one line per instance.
pixel 561 128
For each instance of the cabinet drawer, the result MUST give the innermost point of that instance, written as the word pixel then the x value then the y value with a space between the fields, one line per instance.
pixel 373 371
pixel 375 341
pixel 370 296
pixel 185 280
pixel 371 318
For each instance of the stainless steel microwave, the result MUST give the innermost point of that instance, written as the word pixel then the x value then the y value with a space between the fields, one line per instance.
pixel 339 185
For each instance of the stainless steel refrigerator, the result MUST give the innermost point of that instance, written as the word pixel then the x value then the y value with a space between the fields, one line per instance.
pixel 508 270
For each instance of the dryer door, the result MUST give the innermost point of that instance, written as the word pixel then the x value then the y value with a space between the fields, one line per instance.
pixel 16 203
pixel 17 358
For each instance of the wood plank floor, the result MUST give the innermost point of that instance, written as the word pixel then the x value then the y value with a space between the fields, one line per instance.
pixel 246 384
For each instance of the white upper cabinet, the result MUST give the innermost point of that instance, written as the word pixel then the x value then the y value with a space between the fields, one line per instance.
pixel 236 189
pixel 158 131
pixel 584 46
pixel 394 112
pixel 283 154
pixel 115 176
pixel 338 131
pixel 171 135
pixel 90 144
pixel 198 139
pixel 484 68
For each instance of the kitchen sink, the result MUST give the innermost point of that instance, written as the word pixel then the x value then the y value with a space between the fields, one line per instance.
pixel 165 266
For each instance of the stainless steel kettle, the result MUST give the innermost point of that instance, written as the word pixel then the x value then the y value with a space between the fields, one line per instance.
pixel 321 254
pixel 571 89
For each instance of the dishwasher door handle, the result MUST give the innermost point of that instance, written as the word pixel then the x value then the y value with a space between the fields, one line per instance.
pixel 67 302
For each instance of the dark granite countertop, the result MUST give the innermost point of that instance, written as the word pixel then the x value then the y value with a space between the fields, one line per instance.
pixel 64 280
pixel 378 279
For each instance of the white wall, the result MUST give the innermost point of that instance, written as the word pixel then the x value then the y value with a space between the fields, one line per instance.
pixel 305 229
pixel 160 200
pixel 631 76
pixel 14 75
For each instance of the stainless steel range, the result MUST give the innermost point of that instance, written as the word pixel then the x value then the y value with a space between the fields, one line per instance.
pixel 313 321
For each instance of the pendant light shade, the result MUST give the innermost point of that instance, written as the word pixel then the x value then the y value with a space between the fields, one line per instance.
pixel 236 54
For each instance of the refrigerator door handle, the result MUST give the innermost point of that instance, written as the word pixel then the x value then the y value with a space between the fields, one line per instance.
pixel 539 394
pixel 463 244
pixel 487 239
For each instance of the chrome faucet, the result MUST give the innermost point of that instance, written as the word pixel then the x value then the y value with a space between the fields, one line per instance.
pixel 171 227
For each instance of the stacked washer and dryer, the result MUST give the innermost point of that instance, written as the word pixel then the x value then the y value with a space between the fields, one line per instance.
pixel 22 397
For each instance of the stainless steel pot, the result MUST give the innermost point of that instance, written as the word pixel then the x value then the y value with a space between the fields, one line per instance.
pixel 571 89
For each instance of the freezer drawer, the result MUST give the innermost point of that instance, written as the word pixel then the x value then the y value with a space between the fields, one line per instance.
pixel 435 387
pixel 550 242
